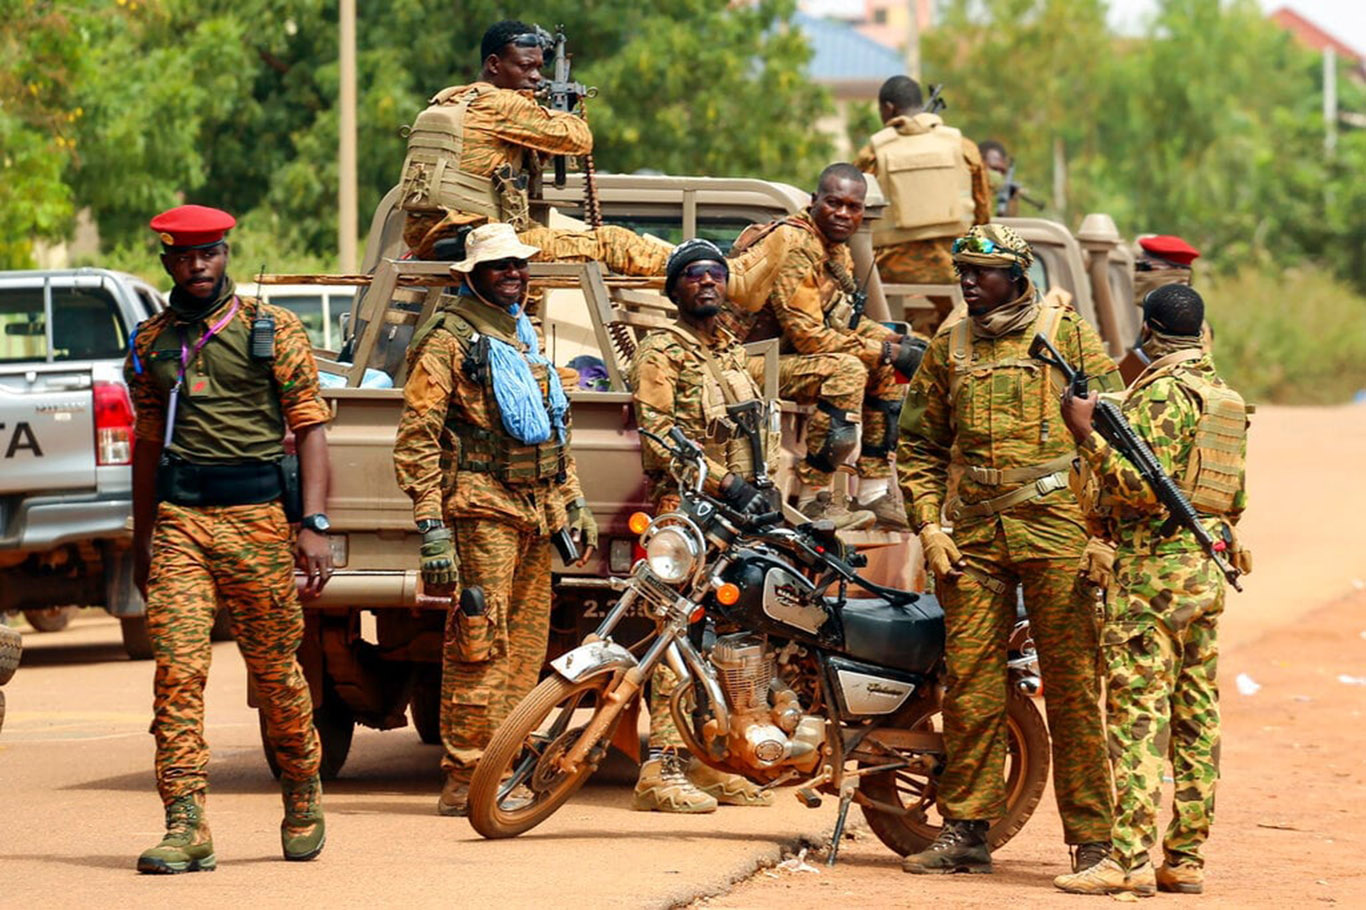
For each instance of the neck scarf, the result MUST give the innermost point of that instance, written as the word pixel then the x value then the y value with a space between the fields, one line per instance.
pixel 1015 316
pixel 193 309
pixel 1160 344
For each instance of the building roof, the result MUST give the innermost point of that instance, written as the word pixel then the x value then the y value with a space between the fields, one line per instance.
pixel 1312 36
pixel 840 55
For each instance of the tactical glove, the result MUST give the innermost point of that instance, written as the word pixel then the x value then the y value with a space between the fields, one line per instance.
pixel 439 561
pixel 907 355
pixel 1097 563
pixel 941 553
pixel 743 496
pixel 581 519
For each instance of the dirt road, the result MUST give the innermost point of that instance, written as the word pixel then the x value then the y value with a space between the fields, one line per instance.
pixel 77 802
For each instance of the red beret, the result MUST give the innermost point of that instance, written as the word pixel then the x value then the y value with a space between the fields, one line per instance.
pixel 1170 248
pixel 192 226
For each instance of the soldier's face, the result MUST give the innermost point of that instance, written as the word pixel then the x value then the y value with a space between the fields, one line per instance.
pixel 516 68
pixel 701 288
pixel 502 282
pixel 984 288
pixel 837 207
pixel 196 272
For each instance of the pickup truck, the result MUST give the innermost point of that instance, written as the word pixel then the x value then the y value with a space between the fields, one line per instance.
pixel 66 426
pixel 372 642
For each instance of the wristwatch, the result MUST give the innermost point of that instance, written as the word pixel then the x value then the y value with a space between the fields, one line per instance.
pixel 316 522
pixel 429 524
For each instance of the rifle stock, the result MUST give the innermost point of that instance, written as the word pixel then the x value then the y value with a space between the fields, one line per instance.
pixel 1112 425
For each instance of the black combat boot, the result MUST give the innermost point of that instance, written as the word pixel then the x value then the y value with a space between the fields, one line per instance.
pixel 960 847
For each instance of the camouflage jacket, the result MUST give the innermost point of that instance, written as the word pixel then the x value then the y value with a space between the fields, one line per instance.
pixel 784 275
pixel 1165 409
pixel 438 393
pixel 1003 416
pixel 501 122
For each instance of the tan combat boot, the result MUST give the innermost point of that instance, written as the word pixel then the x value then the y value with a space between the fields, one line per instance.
pixel 302 833
pixel 960 847
pixel 824 508
pixel 187 846
pixel 1109 877
pixel 1181 878
pixel 455 798
pixel 889 510
pixel 663 787
pixel 727 789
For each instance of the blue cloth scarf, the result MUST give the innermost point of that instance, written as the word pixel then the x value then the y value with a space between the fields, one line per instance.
pixel 525 416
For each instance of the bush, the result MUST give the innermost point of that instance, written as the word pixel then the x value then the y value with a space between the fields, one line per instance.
pixel 1294 338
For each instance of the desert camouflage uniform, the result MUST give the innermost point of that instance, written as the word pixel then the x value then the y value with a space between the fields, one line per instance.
pixel 502 532
pixel 1159 639
pixel 929 261
pixel 501 126
pixel 783 286
pixel 1005 416
pixel 231 410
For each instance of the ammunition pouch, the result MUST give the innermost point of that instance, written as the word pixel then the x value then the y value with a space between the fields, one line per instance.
pixel 184 484
pixel 498 455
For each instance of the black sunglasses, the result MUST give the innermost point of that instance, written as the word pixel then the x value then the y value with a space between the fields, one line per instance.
pixel 503 265
pixel 695 271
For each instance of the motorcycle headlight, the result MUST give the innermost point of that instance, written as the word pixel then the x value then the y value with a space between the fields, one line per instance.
pixel 671 554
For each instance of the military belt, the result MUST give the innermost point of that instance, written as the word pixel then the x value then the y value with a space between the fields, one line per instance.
pixel 1036 490
pixel 993 477
pixel 182 483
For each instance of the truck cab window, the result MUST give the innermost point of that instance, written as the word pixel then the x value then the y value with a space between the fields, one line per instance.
pixel 85 325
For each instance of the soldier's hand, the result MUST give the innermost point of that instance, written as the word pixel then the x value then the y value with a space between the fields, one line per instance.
pixel 581 520
pixel 941 553
pixel 313 554
pixel 742 495
pixel 439 562
pixel 1097 564
pixel 1077 413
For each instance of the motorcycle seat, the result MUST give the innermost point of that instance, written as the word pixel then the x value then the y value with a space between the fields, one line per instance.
pixel 906 636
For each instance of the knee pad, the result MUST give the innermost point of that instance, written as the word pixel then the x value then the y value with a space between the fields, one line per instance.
pixel 891 430
pixel 839 443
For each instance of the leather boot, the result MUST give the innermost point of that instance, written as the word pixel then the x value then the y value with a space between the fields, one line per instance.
pixel 1109 877
pixel 187 846
pixel 889 510
pixel 727 789
pixel 663 787
pixel 824 508
pixel 1181 878
pixel 455 798
pixel 302 833
pixel 960 847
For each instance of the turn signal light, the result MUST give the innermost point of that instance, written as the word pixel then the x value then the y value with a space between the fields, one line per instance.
pixel 638 522
pixel 727 595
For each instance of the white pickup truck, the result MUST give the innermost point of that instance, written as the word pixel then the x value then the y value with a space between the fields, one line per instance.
pixel 66 435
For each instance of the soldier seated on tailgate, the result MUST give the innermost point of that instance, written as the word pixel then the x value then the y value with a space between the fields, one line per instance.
pixel 473 152
pixel 791 279
pixel 936 188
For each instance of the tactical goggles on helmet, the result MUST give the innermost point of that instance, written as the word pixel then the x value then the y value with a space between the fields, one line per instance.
pixel 538 38
pixel 695 271
pixel 983 245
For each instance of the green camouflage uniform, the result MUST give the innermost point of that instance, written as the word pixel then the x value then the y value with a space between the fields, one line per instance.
pixel 232 410
pixel 1004 416
pixel 1159 639
pixel 502 529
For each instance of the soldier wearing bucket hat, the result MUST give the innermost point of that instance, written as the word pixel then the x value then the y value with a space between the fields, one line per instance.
pixel 978 393
pixel 483 451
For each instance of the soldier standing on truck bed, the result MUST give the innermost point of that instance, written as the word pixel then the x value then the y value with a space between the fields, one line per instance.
pixel 693 375
pixel 483 450
pixel 792 279
pixel 1160 635
pixel 979 398
pixel 472 152
pixel 936 188
pixel 215 379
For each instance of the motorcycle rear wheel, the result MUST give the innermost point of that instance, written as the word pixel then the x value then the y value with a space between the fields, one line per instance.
pixel 520 759
pixel 1027 761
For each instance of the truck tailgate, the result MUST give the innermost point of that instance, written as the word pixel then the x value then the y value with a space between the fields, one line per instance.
pixel 47 434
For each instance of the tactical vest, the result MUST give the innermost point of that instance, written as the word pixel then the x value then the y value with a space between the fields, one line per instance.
pixel 494 451
pixel 432 178
pixel 926 180
pixel 727 395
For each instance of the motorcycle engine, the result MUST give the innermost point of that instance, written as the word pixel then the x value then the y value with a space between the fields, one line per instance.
pixel 767 726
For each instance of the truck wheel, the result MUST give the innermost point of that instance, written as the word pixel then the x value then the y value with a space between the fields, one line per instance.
pixel 335 725
pixel 425 703
pixel 222 625
pixel 137 644
pixel 50 619
pixel 11 647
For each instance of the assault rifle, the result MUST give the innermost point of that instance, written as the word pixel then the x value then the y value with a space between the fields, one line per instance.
pixel 561 92
pixel 936 102
pixel 1009 189
pixel 1110 423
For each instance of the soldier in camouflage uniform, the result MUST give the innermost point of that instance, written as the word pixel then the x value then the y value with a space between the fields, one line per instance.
pixel 472 152
pixel 792 279
pixel 921 255
pixel 688 376
pixel 1159 638
pixel 483 451
pixel 210 530
pixel 980 396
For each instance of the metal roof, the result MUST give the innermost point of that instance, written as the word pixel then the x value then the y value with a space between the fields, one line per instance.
pixel 841 54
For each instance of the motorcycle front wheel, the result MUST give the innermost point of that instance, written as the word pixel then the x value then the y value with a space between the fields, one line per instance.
pixel 1026 775
pixel 518 782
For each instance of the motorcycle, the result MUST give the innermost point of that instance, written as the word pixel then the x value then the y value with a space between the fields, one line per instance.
pixel 783 678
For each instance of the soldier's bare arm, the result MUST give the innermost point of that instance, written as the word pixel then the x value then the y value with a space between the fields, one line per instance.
pixel 417 447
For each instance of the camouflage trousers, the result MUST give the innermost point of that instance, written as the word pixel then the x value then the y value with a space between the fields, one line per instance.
pixel 841 381
pixel 663 732
pixel 979 613
pixel 243 557
pixel 1162 699
pixel 491 662
pixel 920 262
pixel 623 251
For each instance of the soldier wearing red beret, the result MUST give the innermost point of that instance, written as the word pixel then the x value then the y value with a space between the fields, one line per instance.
pixel 216 379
